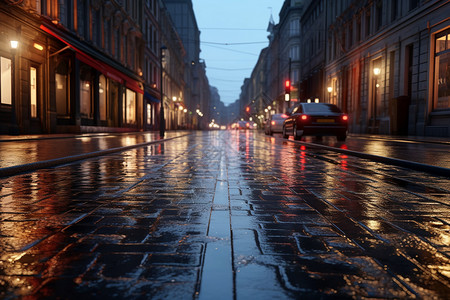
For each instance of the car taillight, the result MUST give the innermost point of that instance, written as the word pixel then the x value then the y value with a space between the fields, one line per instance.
pixel 273 123
pixel 247 124
pixel 344 118
pixel 304 117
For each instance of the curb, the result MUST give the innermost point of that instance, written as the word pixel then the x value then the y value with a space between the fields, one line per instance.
pixel 16 170
pixel 386 160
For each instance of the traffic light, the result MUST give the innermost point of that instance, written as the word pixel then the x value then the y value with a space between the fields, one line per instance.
pixel 247 109
pixel 287 87
pixel 287 90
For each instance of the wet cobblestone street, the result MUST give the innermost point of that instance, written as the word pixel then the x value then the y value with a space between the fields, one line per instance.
pixel 225 215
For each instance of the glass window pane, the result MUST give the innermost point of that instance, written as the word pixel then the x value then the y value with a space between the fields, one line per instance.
pixel 440 44
pixel 131 107
pixel 6 82
pixel 61 95
pixel 33 92
pixel 102 97
pixel 85 99
pixel 442 78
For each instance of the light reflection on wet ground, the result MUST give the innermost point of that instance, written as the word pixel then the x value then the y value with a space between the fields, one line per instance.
pixel 431 153
pixel 304 223
pixel 20 152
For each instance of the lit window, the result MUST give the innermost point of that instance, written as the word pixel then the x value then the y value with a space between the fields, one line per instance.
pixel 6 81
pixel 33 92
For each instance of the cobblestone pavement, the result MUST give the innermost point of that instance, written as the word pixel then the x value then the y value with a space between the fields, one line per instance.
pixel 225 215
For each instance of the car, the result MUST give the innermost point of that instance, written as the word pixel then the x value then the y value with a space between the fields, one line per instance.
pixel 274 124
pixel 316 119
pixel 246 125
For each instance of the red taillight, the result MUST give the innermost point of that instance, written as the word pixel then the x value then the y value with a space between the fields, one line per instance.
pixel 284 116
pixel 304 117
pixel 273 123
pixel 247 124
pixel 345 118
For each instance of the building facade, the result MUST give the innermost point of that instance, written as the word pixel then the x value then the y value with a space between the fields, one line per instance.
pixel 77 66
pixel 197 93
pixel 279 62
pixel 388 65
pixel 384 62
pixel 313 50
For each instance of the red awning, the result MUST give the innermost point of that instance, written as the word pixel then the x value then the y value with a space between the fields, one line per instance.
pixel 99 65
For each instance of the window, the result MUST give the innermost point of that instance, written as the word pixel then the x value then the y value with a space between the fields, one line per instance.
pixel 378 15
pixel 149 114
pixel 294 52
pixel 102 97
pixel 6 81
pixel 61 90
pixel 129 107
pixel 394 10
pixel 358 29
pixel 294 27
pixel 33 93
pixel 367 25
pixel 413 4
pixel 442 71
pixel 85 99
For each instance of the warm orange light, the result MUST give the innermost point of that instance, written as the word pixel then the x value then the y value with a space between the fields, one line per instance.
pixel 273 123
pixel 304 117
pixel 37 46
pixel 345 118
pixel 287 83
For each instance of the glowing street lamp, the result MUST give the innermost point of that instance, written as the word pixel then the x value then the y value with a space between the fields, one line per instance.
pixel 14 44
pixel 376 71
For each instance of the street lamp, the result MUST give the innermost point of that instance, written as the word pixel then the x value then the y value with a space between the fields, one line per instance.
pixel 376 71
pixel 162 121
pixel 14 44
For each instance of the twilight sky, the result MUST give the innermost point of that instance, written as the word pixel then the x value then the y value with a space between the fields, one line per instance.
pixel 233 32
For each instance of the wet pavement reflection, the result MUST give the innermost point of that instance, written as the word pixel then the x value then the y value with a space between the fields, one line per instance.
pixel 431 151
pixel 229 215
pixel 24 151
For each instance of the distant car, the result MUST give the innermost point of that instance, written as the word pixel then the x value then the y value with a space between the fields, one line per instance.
pixel 246 125
pixel 316 119
pixel 275 124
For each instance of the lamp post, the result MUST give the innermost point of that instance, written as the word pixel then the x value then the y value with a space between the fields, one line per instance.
pixel 162 121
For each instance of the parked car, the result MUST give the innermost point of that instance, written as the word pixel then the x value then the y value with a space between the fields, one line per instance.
pixel 316 119
pixel 274 124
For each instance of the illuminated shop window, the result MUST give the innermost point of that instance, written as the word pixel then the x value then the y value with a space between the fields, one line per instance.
pixel 129 107
pixel 6 81
pixel 85 99
pixel 442 71
pixel 33 93
pixel 102 97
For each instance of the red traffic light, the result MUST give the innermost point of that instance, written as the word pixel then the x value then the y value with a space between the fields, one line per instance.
pixel 247 109
pixel 287 86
